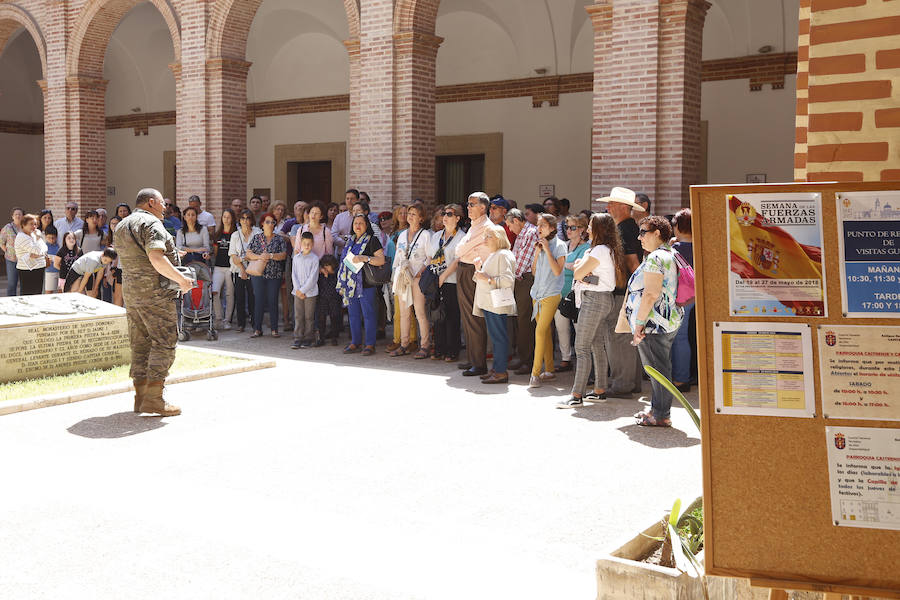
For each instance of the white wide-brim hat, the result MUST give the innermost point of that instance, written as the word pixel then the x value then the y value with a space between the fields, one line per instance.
pixel 623 195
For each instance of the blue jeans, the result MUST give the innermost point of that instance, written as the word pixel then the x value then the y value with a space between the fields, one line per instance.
pixel 361 310
pixel 496 328
pixel 12 278
pixel 681 349
pixel 265 295
pixel 655 350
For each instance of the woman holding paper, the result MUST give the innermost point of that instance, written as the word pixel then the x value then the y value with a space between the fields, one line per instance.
pixel 494 280
pixel 361 249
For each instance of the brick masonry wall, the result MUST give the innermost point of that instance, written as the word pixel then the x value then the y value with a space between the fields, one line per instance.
pixel 802 122
pixel 853 128
pixel 646 88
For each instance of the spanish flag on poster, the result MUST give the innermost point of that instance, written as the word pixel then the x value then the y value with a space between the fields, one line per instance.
pixel 775 246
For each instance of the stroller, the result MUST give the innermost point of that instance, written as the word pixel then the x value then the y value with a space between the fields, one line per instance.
pixel 196 308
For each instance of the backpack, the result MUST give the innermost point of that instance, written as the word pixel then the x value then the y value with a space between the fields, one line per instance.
pixel 685 293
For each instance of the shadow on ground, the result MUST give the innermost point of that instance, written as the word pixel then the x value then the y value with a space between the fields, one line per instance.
pixel 118 425
pixel 659 437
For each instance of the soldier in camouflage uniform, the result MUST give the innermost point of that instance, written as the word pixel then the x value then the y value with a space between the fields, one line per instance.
pixel 146 252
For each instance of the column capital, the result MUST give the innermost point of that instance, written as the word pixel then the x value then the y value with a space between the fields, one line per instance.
pixel 42 83
pixel 87 82
pixel 418 39
pixel 175 67
pixel 601 15
pixel 228 66
pixel 352 46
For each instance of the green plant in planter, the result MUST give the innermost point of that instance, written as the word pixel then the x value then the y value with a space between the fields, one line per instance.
pixel 683 537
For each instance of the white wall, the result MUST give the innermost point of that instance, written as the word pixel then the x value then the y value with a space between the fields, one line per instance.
pixel 135 162
pixel 540 145
pixel 137 64
pixel 749 132
pixel 22 173
pixel 290 129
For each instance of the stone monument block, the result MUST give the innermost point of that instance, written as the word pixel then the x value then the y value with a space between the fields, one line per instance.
pixel 56 334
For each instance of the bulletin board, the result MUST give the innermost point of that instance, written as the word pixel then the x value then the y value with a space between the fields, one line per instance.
pixel 768 509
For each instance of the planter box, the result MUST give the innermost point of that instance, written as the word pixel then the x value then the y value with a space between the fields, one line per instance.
pixel 621 576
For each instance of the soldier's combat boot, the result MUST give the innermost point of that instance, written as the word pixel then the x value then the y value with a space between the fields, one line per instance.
pixel 154 402
pixel 140 391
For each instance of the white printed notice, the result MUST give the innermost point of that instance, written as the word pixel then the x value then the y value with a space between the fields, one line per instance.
pixel 764 369
pixel 864 472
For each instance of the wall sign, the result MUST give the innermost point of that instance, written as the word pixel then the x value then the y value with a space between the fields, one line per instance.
pixel 864 472
pixel 546 190
pixel 775 249
pixel 869 237
pixel 764 369
pixel 860 371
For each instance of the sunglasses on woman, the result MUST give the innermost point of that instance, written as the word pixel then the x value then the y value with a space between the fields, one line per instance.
pixel 448 213
pixel 573 227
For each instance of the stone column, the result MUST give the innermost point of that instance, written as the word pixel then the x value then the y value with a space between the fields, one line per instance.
pixel 354 164
pixel 374 114
pixel 191 118
pixel 85 97
pixel 601 19
pixel 680 77
pixel 226 132
pixel 415 56
pixel 647 69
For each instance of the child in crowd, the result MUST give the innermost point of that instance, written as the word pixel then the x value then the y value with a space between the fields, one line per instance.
pixel 66 256
pixel 84 270
pixel 330 302
pixel 304 273
pixel 51 273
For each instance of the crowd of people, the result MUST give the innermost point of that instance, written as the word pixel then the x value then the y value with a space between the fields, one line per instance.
pixel 518 286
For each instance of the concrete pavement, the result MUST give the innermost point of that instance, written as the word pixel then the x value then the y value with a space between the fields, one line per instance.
pixel 332 477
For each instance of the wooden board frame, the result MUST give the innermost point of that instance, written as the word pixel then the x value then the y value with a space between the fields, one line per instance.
pixel 767 502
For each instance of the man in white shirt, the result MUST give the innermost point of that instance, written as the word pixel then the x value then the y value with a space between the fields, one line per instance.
pixel 70 222
pixel 340 229
pixel 203 218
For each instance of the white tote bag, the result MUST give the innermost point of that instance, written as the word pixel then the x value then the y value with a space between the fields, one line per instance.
pixel 502 297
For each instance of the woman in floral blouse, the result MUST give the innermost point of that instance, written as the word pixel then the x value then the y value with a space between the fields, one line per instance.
pixel 271 248
pixel 652 314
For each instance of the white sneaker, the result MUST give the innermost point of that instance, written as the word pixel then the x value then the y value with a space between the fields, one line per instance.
pixel 572 402
pixel 547 376
pixel 226 326
pixel 534 382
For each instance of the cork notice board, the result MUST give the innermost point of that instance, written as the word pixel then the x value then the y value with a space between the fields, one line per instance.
pixel 768 514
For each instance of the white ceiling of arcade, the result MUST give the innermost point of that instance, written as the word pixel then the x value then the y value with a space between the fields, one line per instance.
pixel 297 48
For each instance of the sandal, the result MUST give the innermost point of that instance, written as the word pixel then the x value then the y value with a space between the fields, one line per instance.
pixel 256 334
pixel 351 349
pixel 422 353
pixel 401 351
pixel 368 351
pixel 648 420
pixel 451 359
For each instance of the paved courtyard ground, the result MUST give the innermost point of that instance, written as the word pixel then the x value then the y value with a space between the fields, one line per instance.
pixel 332 477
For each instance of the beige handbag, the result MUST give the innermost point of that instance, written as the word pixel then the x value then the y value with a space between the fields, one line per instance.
pixel 257 267
pixel 622 325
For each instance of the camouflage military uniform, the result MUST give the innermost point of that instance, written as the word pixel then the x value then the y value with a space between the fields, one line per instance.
pixel 149 307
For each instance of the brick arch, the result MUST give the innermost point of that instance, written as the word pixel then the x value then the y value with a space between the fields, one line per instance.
pixel 416 15
pixel 230 21
pixel 13 17
pixel 96 23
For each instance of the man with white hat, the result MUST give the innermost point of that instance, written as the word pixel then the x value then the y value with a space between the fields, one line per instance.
pixel 624 361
